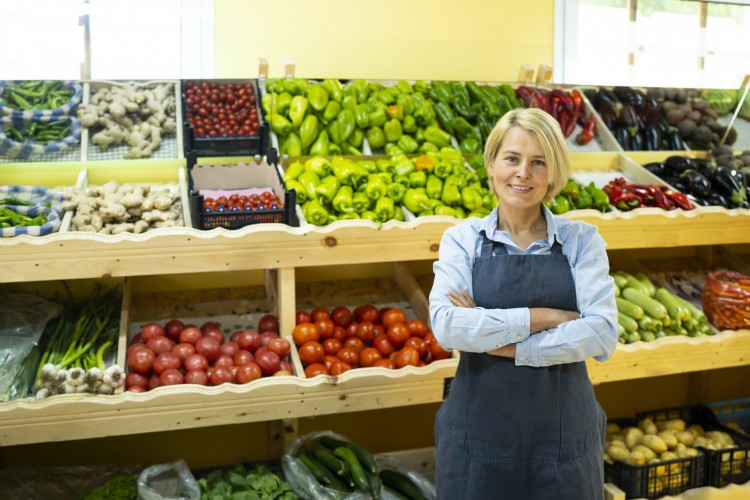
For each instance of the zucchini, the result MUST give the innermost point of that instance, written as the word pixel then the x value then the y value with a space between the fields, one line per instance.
pixel 358 473
pixel 620 330
pixel 646 336
pixel 321 474
pixel 628 323
pixel 694 311
pixel 629 309
pixel 331 462
pixel 674 309
pixel 620 282
pixel 650 324
pixel 364 456
pixel 618 292
pixel 644 279
pixel 691 325
pixel 652 307
pixel 401 483
pixel 633 282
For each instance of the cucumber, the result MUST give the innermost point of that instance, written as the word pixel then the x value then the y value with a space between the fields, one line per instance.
pixel 331 462
pixel 628 323
pixel 652 307
pixel 374 482
pixel 694 311
pixel 644 279
pixel 619 280
pixel 364 456
pixel 399 482
pixel 321 474
pixel 629 309
pixel 631 338
pixel 358 473
pixel 396 494
pixel 674 309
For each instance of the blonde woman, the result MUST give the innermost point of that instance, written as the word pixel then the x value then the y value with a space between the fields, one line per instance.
pixel 527 298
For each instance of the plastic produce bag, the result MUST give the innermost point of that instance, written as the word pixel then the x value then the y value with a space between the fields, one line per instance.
pixel 170 481
pixel 22 321
pixel 726 300
pixel 425 486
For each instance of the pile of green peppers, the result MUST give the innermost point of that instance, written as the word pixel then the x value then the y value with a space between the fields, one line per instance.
pixel 10 218
pixel 36 94
pixel 574 196
pixel 470 111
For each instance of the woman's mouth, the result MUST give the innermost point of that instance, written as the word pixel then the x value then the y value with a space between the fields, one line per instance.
pixel 519 189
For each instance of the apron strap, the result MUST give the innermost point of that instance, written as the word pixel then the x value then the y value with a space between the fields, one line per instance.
pixel 556 248
pixel 492 248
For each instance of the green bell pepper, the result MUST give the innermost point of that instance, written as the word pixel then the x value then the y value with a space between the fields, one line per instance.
pixel 451 195
pixel 334 89
pixel 570 190
pixel 321 146
pixel 439 138
pixel 346 124
pixel 408 103
pixel 360 202
pixel 404 87
pixel 361 89
pixel 417 179
pixel 425 114
pixel 317 97
pixel 377 117
pixel 369 215
pixel 301 194
pixel 471 199
pixel 395 111
pixel 293 171
pixel 327 189
pixel 376 137
pixel 396 191
pixel 491 92
pixel 393 149
pixel 342 201
pixel 293 145
pixel 560 205
pixel 384 165
pixel 319 166
pixel 393 130
pixel 368 165
pixel 427 147
pixel 334 133
pixel 349 102
pixel 297 110
pixel 296 86
pixel 347 172
pixel 470 145
pixel 356 138
pixel 434 187
pixel 583 200
pixel 445 116
pixel 280 124
pixel 310 181
pixel 475 92
pixel 315 213
pixel 267 102
pixel 407 144
pixel 421 86
pixel 479 212
pixel 477 161
pixel 443 210
pixel 402 165
pixel 439 91
pixel 375 187
pixel 308 131
pixel 384 208
pixel 331 112
pixel 443 169
pixel 362 115
pixel 351 150
pixel 456 180
pixel 416 201
pixel 409 125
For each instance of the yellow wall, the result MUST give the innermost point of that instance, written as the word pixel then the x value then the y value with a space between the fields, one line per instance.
pixel 481 40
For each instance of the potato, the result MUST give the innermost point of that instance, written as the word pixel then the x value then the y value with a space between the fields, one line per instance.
pixel 720 439
pixel 636 458
pixel 680 447
pixel 618 453
pixel 676 424
pixel 613 428
pixel 656 443
pixel 669 438
pixel 688 452
pixel 633 436
pixel 647 426
pixel 647 452
pixel 673 468
pixel 685 437
pixel 701 441
pixel 696 429
pixel 617 438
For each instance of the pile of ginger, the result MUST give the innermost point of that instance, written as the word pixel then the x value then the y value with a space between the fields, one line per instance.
pixel 132 114
pixel 115 208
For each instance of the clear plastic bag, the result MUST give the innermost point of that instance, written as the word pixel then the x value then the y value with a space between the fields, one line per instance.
pixel 170 481
pixel 425 486
pixel 22 321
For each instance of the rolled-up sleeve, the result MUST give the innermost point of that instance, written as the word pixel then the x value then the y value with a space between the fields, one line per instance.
pixel 468 329
pixel 594 335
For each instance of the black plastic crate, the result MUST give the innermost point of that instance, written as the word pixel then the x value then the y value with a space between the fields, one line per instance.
pixel 734 414
pixel 723 466
pixel 224 146
pixel 670 477
pixel 254 174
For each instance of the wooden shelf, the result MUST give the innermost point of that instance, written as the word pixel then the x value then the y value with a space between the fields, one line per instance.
pixel 269 246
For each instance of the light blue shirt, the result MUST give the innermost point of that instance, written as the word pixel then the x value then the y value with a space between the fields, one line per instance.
pixel 594 335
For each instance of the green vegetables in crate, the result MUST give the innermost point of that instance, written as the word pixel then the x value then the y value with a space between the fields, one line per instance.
pixel 575 196
pixel 36 94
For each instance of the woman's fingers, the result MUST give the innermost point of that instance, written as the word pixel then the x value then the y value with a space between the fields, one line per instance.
pixel 461 298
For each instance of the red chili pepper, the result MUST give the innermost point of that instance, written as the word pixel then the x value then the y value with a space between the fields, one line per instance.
pixel 557 107
pixel 565 119
pixel 679 199
pixel 588 131
pixel 577 99
pixel 526 95
pixel 541 100
pixel 659 198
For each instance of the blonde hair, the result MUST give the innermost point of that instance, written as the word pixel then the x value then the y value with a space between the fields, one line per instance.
pixel 551 140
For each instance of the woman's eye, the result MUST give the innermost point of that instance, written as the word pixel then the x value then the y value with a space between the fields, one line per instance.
pixel 511 159
pixel 538 163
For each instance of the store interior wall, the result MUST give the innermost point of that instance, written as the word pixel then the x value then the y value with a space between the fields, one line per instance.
pixel 389 39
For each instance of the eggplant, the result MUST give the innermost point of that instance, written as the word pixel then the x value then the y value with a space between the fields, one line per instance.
pixel 623 137
pixel 674 140
pixel 717 199
pixel 699 184
pixel 629 96
pixel 650 112
pixel 677 164
pixel 698 200
pixel 652 138
pixel 656 168
pixel 636 140
pixel 628 116
pixel 678 183
pixel 727 185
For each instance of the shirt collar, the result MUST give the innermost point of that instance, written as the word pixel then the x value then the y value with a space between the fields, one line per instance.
pixel 489 224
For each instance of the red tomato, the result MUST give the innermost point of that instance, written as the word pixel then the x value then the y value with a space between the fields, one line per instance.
pixel 301 316
pixel 311 352
pixel 286 366
pixel 137 339
pixel 280 347
pixel 393 316
pixel 171 376
pixel 249 340
pixel 417 344
pixel 351 329
pixel 315 369
pixel 215 334
pixel 266 337
pixel 209 347
pixel 368 356
pixel 332 346
pixel 429 338
pixel 135 379
pixel 381 313
pixel 366 331
pixel 354 343
pixel 247 373
pixel 408 356
pixel 242 357
pixel 141 360
pixel 384 345
pixel 173 329
pixel 152 330
pixel 224 360
pixel 341 316
pixel 230 348
pixel 319 312
pixel 305 332
pixel 190 335
pixel 328 361
pixel 269 362
pixel 166 361
pixel 160 344
pixel 379 330
pixel 338 368
pixel 196 362
pixel 438 352
pixel 269 322
pixel 210 325
pixel 184 350
pixel 135 347
pixel 366 313
pixel 199 377
pixel 220 374
pixel 135 388
pixel 349 356
pixel 397 334
pixel 235 337
pixel 417 328
pixel 153 382
pixel 326 328
pixel 340 334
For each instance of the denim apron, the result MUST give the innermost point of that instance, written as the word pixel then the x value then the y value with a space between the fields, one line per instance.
pixel 518 432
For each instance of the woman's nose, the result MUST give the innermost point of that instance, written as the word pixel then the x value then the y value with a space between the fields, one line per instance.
pixel 524 170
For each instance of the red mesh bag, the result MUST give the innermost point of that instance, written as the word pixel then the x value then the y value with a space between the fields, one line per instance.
pixel 726 300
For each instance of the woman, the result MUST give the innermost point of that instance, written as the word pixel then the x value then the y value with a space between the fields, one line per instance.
pixel 527 298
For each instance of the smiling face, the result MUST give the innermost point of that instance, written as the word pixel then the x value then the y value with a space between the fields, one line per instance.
pixel 519 173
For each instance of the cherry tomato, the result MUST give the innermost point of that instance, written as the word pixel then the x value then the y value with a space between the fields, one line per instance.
pixel 199 377
pixel 319 312
pixel 249 340
pixel 210 325
pixel 339 367
pixel 366 331
pixel 184 350
pixel 166 361
pixel 230 348
pixel 247 373
pixel 332 346
pixel 152 330
pixel 160 344
pixel 280 347
pixel 355 343
pixel 301 316
pixel 190 335
pixel 349 356
pixel 171 376
pixel 384 345
pixel 340 334
pixel 141 360
pixel 417 344
pixel 224 360
pixel 269 322
pixel 269 362
pixel 438 352
pixel 215 334
pixel 367 312
pixel 385 363
pixel 209 347
pixel 220 375
pixel 326 328
pixel 329 360
pixel 196 362
pixel 417 328
pixel 351 329
pixel 242 357
pixel 173 328
pixel 136 379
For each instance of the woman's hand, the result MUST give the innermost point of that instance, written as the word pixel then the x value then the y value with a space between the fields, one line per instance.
pixel 461 298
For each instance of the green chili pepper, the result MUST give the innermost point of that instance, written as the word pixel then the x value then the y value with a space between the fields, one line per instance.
pixel 570 190
pixel 439 91
pixel 427 147
pixel 464 129
pixel 386 165
pixel 599 197
pixel 393 149
pixel 456 180
pixel 445 116
pixel 297 110
pixel 560 205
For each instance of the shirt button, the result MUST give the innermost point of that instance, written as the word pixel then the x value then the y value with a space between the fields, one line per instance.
pixel 499 345
pixel 525 360
pixel 518 337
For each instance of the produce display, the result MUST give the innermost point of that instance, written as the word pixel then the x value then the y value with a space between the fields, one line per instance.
pixel 115 208
pixel 704 182
pixel 565 107
pixel 331 343
pixel 647 313
pixel 245 480
pixel 243 201
pixel 575 196
pixel 222 109
pixel 625 196
pixel 139 116
pixel 726 300
pixel 176 353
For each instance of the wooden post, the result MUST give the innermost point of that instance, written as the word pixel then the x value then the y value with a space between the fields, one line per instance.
pixel 280 434
pixel 409 286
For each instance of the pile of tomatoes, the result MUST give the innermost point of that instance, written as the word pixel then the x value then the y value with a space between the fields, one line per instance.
pixel 267 200
pixel 222 109
pixel 185 354
pixel 333 343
